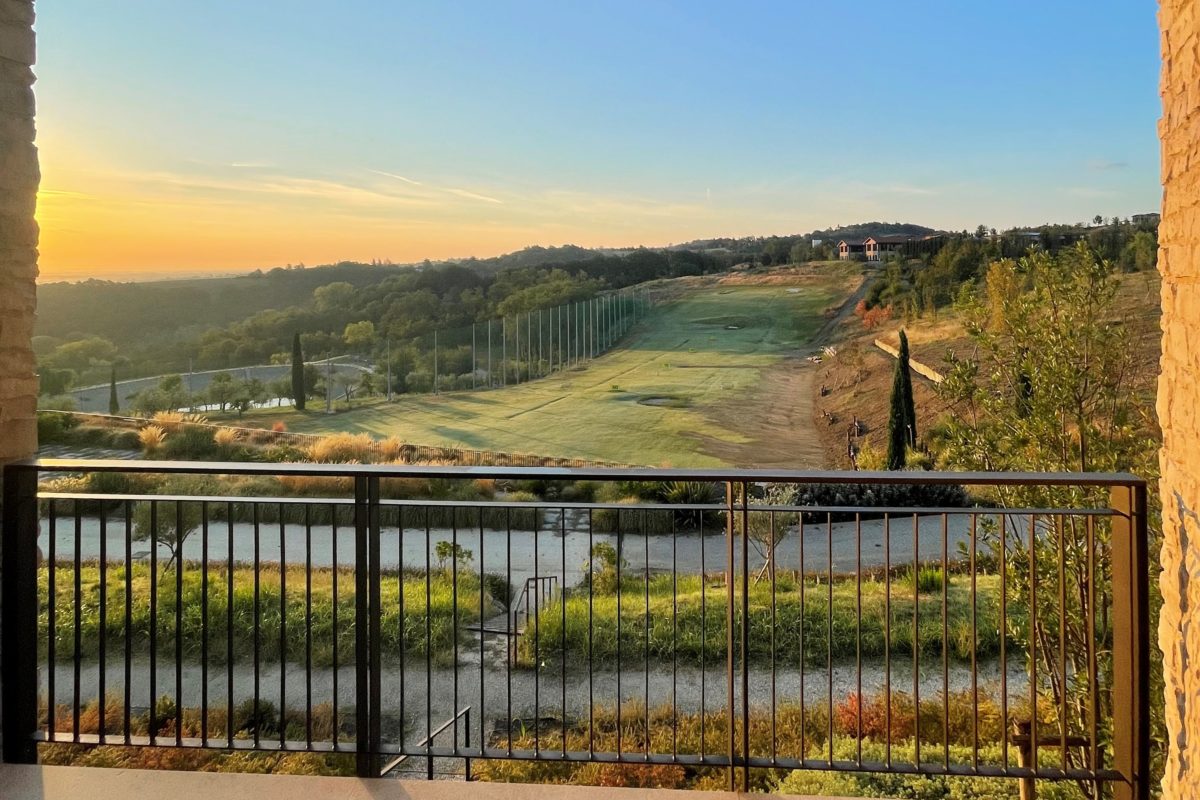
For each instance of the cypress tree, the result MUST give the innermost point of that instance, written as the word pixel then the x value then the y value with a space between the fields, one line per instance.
pixel 910 408
pixel 297 374
pixel 114 405
pixel 902 419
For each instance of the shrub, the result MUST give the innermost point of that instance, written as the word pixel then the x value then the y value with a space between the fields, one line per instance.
pixel 279 426
pixel 926 579
pixel 901 495
pixel 188 442
pixel 53 428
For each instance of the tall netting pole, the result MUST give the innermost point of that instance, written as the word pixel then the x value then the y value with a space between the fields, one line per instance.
pixel 490 383
pixel 541 369
pixel 435 362
pixel 530 371
pixel 504 351
pixel 517 348
pixel 474 362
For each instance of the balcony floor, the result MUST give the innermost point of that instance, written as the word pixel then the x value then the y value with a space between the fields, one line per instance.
pixel 72 783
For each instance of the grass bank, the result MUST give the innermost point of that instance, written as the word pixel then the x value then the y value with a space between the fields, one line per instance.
pixel 279 601
pixel 686 620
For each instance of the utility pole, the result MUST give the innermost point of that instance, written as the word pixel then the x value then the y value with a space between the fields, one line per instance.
pixel 329 384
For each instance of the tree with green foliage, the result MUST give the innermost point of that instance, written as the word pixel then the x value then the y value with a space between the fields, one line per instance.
pixel 114 404
pixel 221 390
pixel 902 419
pixel 298 384
pixel 1052 384
pixel 169 523
pixel 359 335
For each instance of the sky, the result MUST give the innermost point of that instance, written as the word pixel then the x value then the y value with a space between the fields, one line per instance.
pixel 187 137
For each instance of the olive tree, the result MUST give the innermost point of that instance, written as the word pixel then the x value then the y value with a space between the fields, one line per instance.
pixel 1052 384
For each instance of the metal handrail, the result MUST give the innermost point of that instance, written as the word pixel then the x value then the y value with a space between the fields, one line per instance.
pixel 748 619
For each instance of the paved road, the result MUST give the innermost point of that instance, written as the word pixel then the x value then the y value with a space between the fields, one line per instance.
pixel 94 399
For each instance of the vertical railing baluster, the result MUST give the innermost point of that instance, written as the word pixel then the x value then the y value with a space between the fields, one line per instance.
pixel 127 705
pixel 745 637
pixel 257 630
pixel 308 670
pixel 974 650
pixel 230 727
pixel 362 709
pixel 204 623
pixel 591 643
pixel 620 659
pixel 1062 634
pixel 562 607
pixel 337 568
pixel 374 639
pixel 1002 524
pixel 482 639
pixel 916 640
pixel 703 641
pixel 1092 644
pixel 153 622
pixel 1033 645
pixel 887 637
pixel 945 642
pixel 730 711
pixel 19 605
pixel 283 640
pixel 1131 642
pixel 858 634
pixel 179 535
pixel 646 632
pixel 511 617
pixel 829 628
pixel 102 644
pixel 454 585
pixel 76 621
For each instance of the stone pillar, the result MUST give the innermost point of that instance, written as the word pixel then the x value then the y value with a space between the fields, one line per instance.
pixel 1179 392
pixel 18 232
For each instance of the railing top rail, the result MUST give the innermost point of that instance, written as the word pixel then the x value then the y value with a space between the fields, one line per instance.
pixel 894 511
pixel 583 473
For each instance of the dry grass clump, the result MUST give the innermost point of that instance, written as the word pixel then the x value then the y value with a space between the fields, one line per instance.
pixel 316 485
pixel 152 438
pixel 225 437
pixel 343 448
pixel 391 450
pixel 173 420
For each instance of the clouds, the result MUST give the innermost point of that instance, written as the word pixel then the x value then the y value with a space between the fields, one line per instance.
pixel 1104 165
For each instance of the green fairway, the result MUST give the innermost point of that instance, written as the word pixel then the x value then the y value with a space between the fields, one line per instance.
pixel 681 390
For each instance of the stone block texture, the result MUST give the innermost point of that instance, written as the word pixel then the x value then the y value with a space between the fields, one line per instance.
pixel 1179 391
pixel 18 232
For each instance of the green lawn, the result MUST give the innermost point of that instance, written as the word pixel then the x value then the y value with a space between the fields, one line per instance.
pixel 700 353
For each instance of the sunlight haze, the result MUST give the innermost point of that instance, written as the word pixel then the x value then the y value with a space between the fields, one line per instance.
pixel 186 137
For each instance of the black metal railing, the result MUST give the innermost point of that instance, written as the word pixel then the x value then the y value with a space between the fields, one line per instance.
pixel 724 621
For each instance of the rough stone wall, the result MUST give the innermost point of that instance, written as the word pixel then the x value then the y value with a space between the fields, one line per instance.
pixel 18 231
pixel 1179 391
